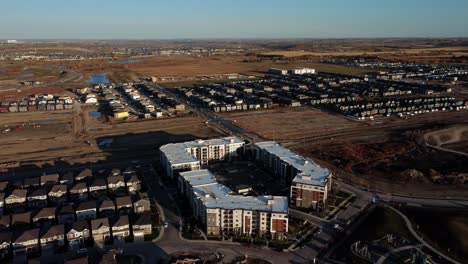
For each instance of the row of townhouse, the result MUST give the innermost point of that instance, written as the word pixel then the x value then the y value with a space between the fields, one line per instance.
pixel 192 155
pixel 78 235
pixel 221 212
pixel 56 193
pixel 309 183
pixel 85 210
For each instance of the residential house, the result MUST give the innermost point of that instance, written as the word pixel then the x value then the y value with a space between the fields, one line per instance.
pixel 34 182
pixel 115 172
pixel 58 194
pixel 16 199
pixel 68 179
pixel 21 220
pixel 141 203
pixel 37 198
pixel 142 226
pixel 27 242
pixel 5 222
pixel 66 215
pixel 121 228
pixel 133 184
pixel 107 208
pixel 79 191
pixel 128 172
pixel 3 186
pixel 49 180
pixel 79 235
pixel 98 188
pixel 116 184
pixel 84 175
pixel 54 237
pixel 45 217
pixel 101 230
pixel 5 245
pixel 124 205
pixel 86 211
pixel 2 203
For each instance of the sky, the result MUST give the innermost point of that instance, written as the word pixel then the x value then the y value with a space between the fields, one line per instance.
pixel 182 19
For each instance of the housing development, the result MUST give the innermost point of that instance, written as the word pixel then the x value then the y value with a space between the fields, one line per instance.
pixel 235 132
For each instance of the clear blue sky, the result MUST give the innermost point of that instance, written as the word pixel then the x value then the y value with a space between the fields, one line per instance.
pixel 153 19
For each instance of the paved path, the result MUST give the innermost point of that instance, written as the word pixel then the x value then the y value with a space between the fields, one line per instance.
pixel 420 239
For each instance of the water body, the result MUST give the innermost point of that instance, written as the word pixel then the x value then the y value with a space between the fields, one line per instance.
pixel 98 79
pixel 127 61
pixel 24 75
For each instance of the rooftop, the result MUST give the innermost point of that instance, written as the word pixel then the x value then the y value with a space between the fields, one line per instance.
pixel 215 195
pixel 309 172
pixel 176 153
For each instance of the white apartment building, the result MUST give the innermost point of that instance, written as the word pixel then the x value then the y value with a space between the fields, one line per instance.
pixel 188 156
pixel 301 71
pixel 310 183
pixel 222 212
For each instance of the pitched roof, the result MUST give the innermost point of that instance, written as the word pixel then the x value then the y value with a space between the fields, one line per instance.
pixel 5 220
pixel 98 223
pixel 38 192
pixel 21 218
pixel 21 193
pixel 87 205
pixel 85 173
pixel 2 197
pixel 122 201
pixel 5 237
pixel 79 186
pixel 3 185
pixel 45 213
pixel 134 178
pixel 58 188
pixel 122 221
pixel 67 209
pixel 99 182
pixel 54 230
pixel 49 178
pixel 115 179
pixel 143 219
pixel 80 226
pixel 107 204
pixel 31 181
pixel 28 235
pixel 67 177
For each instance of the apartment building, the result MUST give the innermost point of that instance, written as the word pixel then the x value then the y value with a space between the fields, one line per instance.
pixel 224 213
pixel 192 155
pixel 310 183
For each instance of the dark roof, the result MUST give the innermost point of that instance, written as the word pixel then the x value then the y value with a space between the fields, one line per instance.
pixel 28 235
pixel 122 221
pixel 99 182
pixel 115 171
pixel 21 218
pixel 143 219
pixel 79 186
pixel 5 237
pixel 85 173
pixel 59 187
pixel 67 177
pixel 81 260
pixel 38 192
pixel 134 178
pixel 115 179
pixel 86 205
pixel 2 197
pixel 122 201
pixel 67 209
pixel 31 181
pixel 98 223
pixel 3 185
pixel 49 178
pixel 45 212
pixel 54 231
pixel 107 204
pixel 5 220
pixel 80 226
pixel 19 193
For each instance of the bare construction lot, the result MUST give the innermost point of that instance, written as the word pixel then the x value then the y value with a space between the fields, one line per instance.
pixel 40 138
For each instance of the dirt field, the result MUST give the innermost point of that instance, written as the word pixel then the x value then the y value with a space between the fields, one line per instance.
pixel 40 138
pixel 377 153
pixel 451 139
